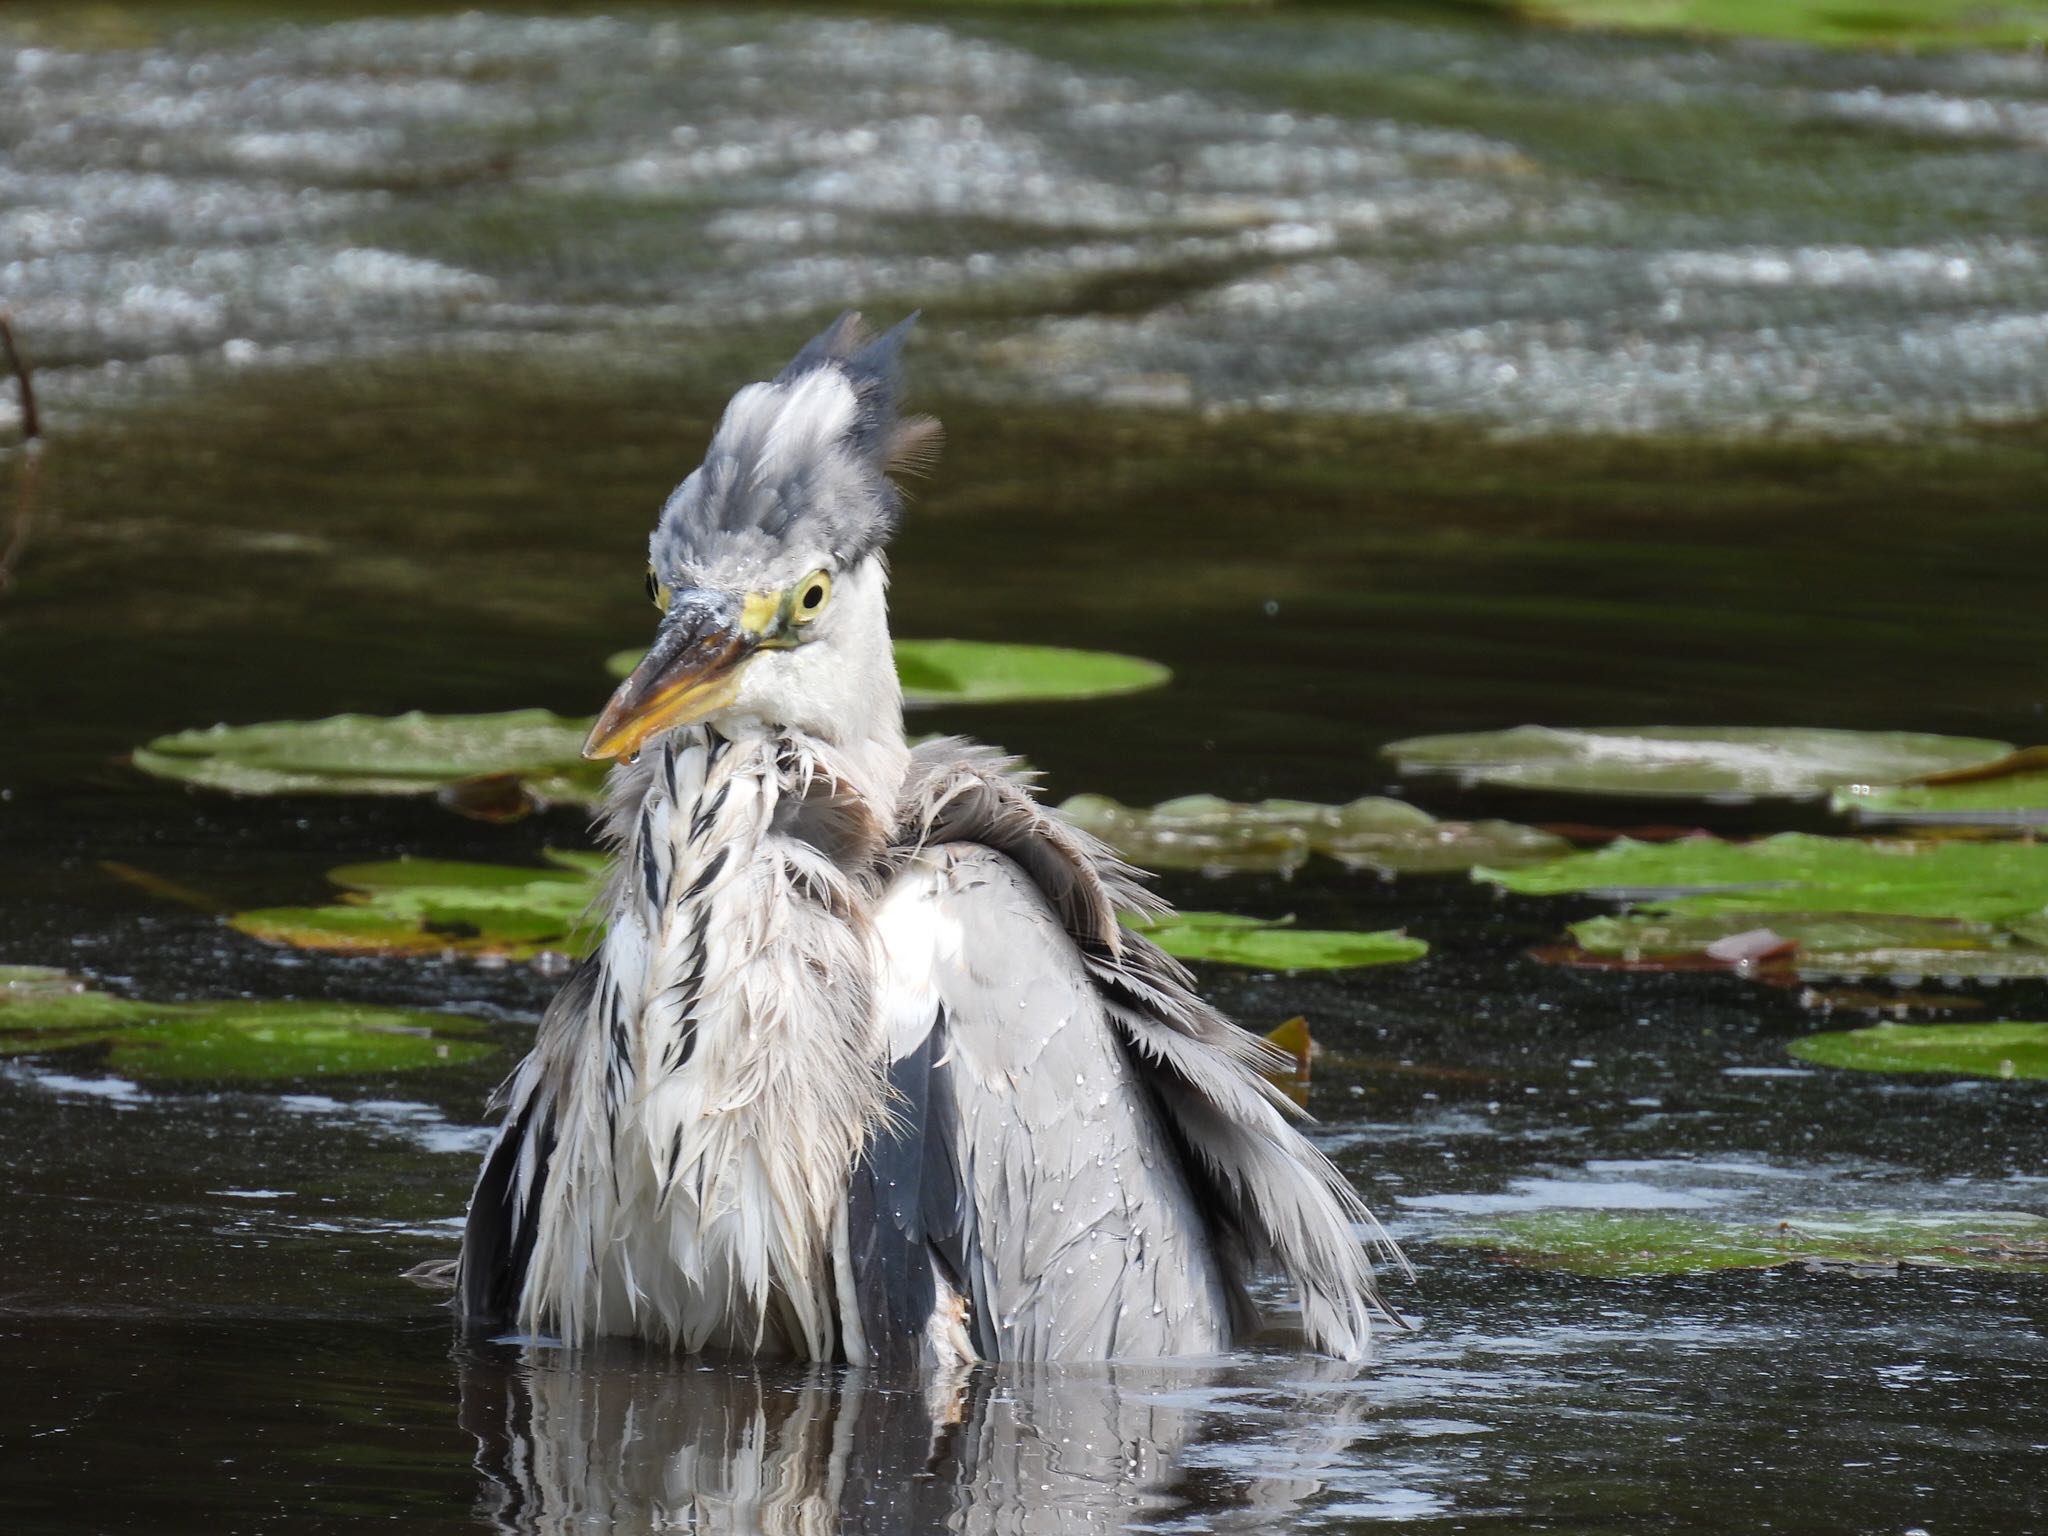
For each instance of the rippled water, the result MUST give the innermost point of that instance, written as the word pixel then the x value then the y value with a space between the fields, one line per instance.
pixel 1305 212
pixel 371 347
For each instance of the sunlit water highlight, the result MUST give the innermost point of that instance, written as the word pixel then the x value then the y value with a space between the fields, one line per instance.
pixel 1531 230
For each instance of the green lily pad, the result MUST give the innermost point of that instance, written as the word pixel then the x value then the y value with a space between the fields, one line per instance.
pixel 561 882
pixel 1899 966
pixel 1851 907
pixel 1202 832
pixel 240 1040
pixel 980 672
pixel 1816 944
pixel 436 906
pixel 21 981
pixel 1618 1244
pixel 1690 933
pixel 1910 966
pixel 1442 847
pixel 340 929
pixel 1799 872
pixel 974 672
pixel 587 862
pixel 411 754
pixel 1965 1050
pixel 1218 836
pixel 431 907
pixel 474 762
pixel 1687 762
pixel 1227 939
pixel 1997 797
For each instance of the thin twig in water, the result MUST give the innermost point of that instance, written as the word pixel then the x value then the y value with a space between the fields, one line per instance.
pixel 31 454
pixel 169 890
pixel 31 428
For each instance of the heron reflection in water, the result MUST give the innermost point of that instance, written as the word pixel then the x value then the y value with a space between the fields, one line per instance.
pixel 611 1439
pixel 865 1068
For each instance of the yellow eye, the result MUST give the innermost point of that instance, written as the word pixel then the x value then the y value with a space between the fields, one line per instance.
pixel 812 594
pixel 657 594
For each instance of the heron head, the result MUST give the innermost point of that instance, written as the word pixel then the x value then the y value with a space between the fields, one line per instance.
pixel 767 562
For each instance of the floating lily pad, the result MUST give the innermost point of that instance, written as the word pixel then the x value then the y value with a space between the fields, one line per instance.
pixel 1442 847
pixel 1842 906
pixel 340 929
pixel 1910 966
pixel 972 672
pixel 411 754
pixel 1686 933
pixel 25 981
pixel 1226 939
pixel 1799 872
pixel 1688 762
pixel 1808 944
pixel 1965 1050
pixel 2016 802
pixel 2009 792
pixel 1791 960
pixel 1617 1244
pixel 981 672
pixel 1202 832
pixel 1218 836
pixel 412 874
pixel 431 906
pixel 1799 947
pixel 495 767
pixel 435 906
pixel 587 862
pixel 261 1041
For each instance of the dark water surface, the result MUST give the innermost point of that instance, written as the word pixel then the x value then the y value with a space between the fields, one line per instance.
pixel 371 347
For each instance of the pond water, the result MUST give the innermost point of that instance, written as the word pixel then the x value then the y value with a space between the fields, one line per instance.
pixel 1381 377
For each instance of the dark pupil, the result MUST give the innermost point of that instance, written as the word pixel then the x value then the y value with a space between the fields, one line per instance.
pixel 814 596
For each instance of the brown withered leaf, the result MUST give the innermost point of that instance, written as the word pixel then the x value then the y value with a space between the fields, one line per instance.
pixel 2024 760
pixel 493 797
pixel 1294 1040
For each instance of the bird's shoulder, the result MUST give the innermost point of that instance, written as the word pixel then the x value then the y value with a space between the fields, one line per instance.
pixel 961 795
pixel 1001 916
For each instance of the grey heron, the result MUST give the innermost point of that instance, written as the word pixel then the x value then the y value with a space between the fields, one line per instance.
pixel 864 1067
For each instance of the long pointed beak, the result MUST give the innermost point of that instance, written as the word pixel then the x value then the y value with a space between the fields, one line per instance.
pixel 692 671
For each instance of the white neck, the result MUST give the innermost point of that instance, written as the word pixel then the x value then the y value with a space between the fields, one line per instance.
pixel 839 689
pixel 731 1003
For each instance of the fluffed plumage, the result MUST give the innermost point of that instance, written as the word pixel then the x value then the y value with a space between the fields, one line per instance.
pixel 865 1067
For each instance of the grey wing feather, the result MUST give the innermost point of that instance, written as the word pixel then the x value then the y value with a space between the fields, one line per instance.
pixel 1267 1196
pixel 890 1239
pixel 1079 1234
pixel 504 1209
pixel 910 1209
